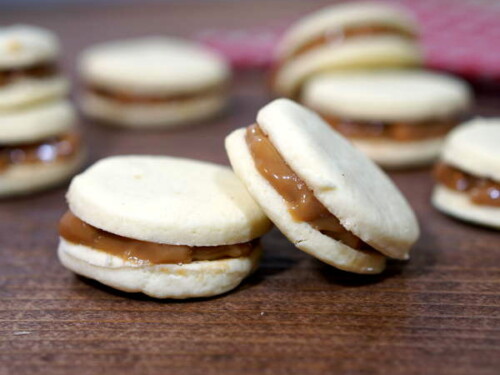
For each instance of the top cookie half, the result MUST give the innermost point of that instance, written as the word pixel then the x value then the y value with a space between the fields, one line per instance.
pixel 166 200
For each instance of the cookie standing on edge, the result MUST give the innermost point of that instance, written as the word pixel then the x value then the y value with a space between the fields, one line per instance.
pixel 153 82
pixel 468 175
pixel 326 197
pixel 39 147
pixel 28 69
pixel 345 36
pixel 167 227
pixel 398 118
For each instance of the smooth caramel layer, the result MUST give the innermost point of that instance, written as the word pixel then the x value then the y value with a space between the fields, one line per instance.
pixel 35 71
pixel 301 202
pixel 76 231
pixel 396 131
pixel 481 191
pixel 336 36
pixel 49 150
pixel 131 98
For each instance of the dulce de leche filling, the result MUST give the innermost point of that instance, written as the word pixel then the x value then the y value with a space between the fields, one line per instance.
pixel 133 98
pixel 396 131
pixel 339 35
pixel 481 191
pixel 301 202
pixel 52 149
pixel 42 70
pixel 76 231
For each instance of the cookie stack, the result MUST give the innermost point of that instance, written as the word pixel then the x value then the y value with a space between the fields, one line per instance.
pixel 39 146
pixel 359 66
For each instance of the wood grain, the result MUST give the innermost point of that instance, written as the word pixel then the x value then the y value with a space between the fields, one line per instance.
pixel 437 314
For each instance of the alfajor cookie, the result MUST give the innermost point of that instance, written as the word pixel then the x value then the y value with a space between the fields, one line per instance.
pixel 153 82
pixel 39 147
pixel 326 197
pixel 398 118
pixel 28 69
pixel 468 174
pixel 345 36
pixel 163 226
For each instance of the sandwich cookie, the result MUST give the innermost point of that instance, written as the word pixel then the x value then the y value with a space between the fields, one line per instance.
pixel 153 82
pixel 345 36
pixel 166 227
pixel 39 147
pixel 398 118
pixel 468 174
pixel 326 197
pixel 28 69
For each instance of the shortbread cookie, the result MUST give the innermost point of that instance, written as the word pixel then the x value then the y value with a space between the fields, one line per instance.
pixel 153 82
pixel 166 227
pixel 39 147
pixel 28 69
pixel 468 174
pixel 398 118
pixel 326 197
pixel 344 36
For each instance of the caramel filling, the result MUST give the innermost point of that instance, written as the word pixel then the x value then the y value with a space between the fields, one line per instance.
pixel 36 71
pixel 396 131
pixel 339 35
pixel 76 231
pixel 49 150
pixel 132 98
pixel 301 202
pixel 481 191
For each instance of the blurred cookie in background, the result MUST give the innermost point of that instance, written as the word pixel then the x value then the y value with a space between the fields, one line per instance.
pixel 153 82
pixel 345 36
pixel 39 144
pixel 399 118
pixel 28 67
pixel 468 174
pixel 39 147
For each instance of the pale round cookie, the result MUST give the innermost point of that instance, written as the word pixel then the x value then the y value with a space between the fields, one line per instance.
pixel 388 95
pixel 36 123
pixel 22 45
pixel 166 200
pixel 169 114
pixel 374 52
pixel 302 235
pixel 174 82
pixel 458 205
pixel 474 147
pixel 153 66
pixel 340 16
pixel 395 155
pixel 28 178
pixel 30 91
pixel 343 179
pixel 196 279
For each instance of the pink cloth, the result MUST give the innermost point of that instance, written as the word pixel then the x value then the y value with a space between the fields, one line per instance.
pixel 462 37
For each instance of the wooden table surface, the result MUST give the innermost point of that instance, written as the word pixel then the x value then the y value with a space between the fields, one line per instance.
pixel 439 313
